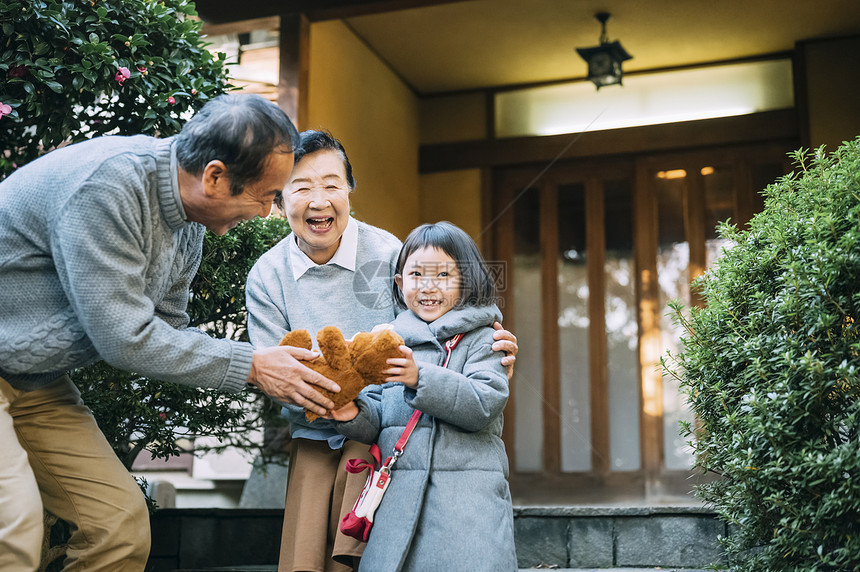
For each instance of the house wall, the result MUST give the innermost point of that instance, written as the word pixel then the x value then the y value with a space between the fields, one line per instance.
pixel 454 196
pixel 445 119
pixel 832 90
pixel 364 104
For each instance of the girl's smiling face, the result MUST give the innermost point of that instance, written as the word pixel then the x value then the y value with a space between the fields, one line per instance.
pixel 430 283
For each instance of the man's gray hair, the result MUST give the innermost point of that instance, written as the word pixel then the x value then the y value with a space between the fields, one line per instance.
pixel 241 130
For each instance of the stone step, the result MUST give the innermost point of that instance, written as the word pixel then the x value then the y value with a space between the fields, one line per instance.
pixel 273 568
pixel 623 569
pixel 564 538
pixel 580 537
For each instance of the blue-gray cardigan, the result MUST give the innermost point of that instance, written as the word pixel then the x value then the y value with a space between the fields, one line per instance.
pixel 448 506
pixel 96 259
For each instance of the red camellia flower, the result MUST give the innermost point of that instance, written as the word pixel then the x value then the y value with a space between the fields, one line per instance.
pixel 121 75
pixel 170 100
pixel 18 71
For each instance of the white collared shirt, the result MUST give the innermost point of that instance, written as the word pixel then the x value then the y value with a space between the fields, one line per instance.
pixel 344 256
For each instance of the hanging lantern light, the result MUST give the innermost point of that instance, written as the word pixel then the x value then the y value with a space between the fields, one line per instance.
pixel 604 61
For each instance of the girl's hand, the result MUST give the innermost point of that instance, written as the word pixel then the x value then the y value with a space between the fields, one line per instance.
pixel 345 413
pixel 403 370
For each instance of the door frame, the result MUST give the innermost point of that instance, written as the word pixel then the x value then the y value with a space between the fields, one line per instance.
pixel 652 480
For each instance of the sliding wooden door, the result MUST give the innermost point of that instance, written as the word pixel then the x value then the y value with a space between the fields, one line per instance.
pixel 593 251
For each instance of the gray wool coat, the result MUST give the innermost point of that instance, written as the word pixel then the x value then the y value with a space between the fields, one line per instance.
pixel 448 506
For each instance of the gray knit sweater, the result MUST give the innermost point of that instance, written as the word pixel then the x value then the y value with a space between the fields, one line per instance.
pixel 95 262
pixel 326 295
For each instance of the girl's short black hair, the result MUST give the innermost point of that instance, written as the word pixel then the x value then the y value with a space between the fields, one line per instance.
pixel 477 287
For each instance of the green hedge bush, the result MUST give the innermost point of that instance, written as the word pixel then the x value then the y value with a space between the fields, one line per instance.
pixel 771 366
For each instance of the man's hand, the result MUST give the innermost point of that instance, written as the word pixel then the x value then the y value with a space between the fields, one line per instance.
pixel 506 342
pixel 278 373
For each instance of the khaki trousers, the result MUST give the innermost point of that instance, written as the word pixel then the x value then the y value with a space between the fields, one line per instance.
pixel 53 456
pixel 319 494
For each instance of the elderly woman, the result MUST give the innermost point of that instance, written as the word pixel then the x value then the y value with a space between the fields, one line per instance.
pixel 330 270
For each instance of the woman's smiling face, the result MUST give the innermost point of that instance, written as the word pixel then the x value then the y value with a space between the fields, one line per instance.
pixel 316 201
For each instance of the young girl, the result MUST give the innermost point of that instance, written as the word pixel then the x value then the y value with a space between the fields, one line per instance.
pixel 448 506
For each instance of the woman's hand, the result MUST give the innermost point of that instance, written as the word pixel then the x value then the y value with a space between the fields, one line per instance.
pixel 506 342
pixel 404 370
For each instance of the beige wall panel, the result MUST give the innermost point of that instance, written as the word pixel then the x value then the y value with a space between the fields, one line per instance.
pixel 446 119
pixel 357 97
pixel 454 196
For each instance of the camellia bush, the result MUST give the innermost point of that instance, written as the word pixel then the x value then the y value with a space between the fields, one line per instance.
pixel 771 366
pixel 76 69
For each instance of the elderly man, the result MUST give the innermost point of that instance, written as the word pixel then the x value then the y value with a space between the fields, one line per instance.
pixel 100 241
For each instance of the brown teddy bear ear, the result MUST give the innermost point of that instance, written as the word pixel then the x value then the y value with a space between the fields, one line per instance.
pixel 384 340
pixel 360 344
pixel 372 362
pixel 298 339
pixel 333 348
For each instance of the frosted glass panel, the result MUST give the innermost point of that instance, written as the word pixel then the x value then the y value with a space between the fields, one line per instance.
pixel 573 321
pixel 528 384
pixel 673 258
pixel 648 99
pixel 622 331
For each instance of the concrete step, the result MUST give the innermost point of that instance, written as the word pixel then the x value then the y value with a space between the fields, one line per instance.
pixel 273 568
pixel 622 569
pixel 564 538
pixel 649 537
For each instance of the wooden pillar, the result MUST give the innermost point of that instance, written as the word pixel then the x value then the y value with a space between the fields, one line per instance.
pixel 501 227
pixel 293 67
pixel 650 345
pixel 694 227
pixel 598 366
pixel 549 328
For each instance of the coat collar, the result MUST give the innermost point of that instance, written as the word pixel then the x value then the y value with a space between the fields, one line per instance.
pixel 460 321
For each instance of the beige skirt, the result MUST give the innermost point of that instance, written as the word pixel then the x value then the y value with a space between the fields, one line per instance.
pixel 319 494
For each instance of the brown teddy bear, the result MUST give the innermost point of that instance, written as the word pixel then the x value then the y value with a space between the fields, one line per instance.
pixel 353 366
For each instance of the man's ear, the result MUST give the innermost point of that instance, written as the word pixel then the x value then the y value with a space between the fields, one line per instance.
pixel 215 179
